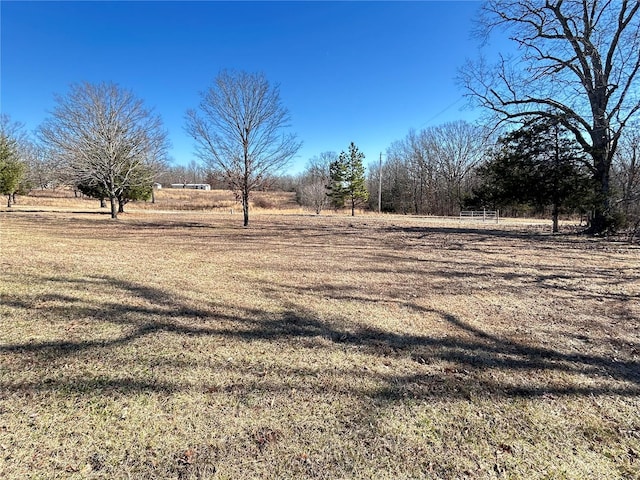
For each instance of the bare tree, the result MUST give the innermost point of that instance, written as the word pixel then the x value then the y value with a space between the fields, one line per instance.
pixel 397 181
pixel 195 172
pixel 107 137
pixel 14 130
pixel 41 169
pixel 626 177
pixel 457 147
pixel 579 66
pixel 416 184
pixel 312 183
pixel 239 129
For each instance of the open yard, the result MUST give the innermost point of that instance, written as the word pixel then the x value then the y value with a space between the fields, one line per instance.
pixel 180 345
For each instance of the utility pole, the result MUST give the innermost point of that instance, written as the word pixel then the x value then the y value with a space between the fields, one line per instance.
pixel 380 185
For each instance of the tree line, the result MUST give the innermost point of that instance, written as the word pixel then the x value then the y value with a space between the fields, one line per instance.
pixel 560 132
pixel 534 170
pixel 538 169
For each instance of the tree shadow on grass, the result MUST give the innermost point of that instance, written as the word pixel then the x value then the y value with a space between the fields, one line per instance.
pixel 480 363
pixel 54 210
pixel 481 231
pixel 97 385
pixel 541 236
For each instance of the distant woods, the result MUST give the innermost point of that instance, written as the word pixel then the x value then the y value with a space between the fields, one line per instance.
pixel 431 171
pixel 538 169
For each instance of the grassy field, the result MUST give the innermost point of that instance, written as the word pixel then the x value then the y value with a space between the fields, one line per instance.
pixel 212 201
pixel 180 345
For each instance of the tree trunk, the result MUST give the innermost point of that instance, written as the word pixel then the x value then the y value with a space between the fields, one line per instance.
pixel 554 215
pixel 353 207
pixel 103 203
pixel 13 195
pixel 120 206
pixel 9 201
pixel 245 207
pixel 601 222
pixel 601 154
pixel 114 207
pixel 245 179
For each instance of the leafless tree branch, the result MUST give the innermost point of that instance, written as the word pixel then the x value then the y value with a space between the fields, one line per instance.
pixel 240 130
pixel 107 137
pixel 579 65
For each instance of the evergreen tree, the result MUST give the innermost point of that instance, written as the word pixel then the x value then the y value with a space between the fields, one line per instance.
pixel 139 188
pixel 540 166
pixel 347 179
pixel 336 188
pixel 12 170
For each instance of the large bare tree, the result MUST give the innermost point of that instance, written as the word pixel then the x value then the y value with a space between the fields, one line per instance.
pixel 108 138
pixel 578 65
pixel 240 131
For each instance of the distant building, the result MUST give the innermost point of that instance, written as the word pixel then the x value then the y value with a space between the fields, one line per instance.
pixel 192 186
pixel 157 186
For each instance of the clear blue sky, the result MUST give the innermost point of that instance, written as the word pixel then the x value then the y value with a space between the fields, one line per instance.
pixel 348 71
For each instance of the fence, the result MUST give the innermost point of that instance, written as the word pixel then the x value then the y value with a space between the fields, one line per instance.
pixel 484 215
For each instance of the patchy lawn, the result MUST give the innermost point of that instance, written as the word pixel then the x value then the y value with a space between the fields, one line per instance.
pixel 180 345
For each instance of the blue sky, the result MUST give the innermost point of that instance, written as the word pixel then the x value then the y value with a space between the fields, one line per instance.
pixel 365 72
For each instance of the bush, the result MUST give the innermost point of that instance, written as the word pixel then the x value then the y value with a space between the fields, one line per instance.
pixel 263 202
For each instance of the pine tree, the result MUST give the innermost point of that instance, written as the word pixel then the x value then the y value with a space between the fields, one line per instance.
pixel 336 188
pixel 12 170
pixel 347 179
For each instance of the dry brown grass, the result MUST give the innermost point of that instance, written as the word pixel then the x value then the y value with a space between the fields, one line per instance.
pixel 180 345
pixel 216 201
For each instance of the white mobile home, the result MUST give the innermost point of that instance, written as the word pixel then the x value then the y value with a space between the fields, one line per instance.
pixel 192 186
